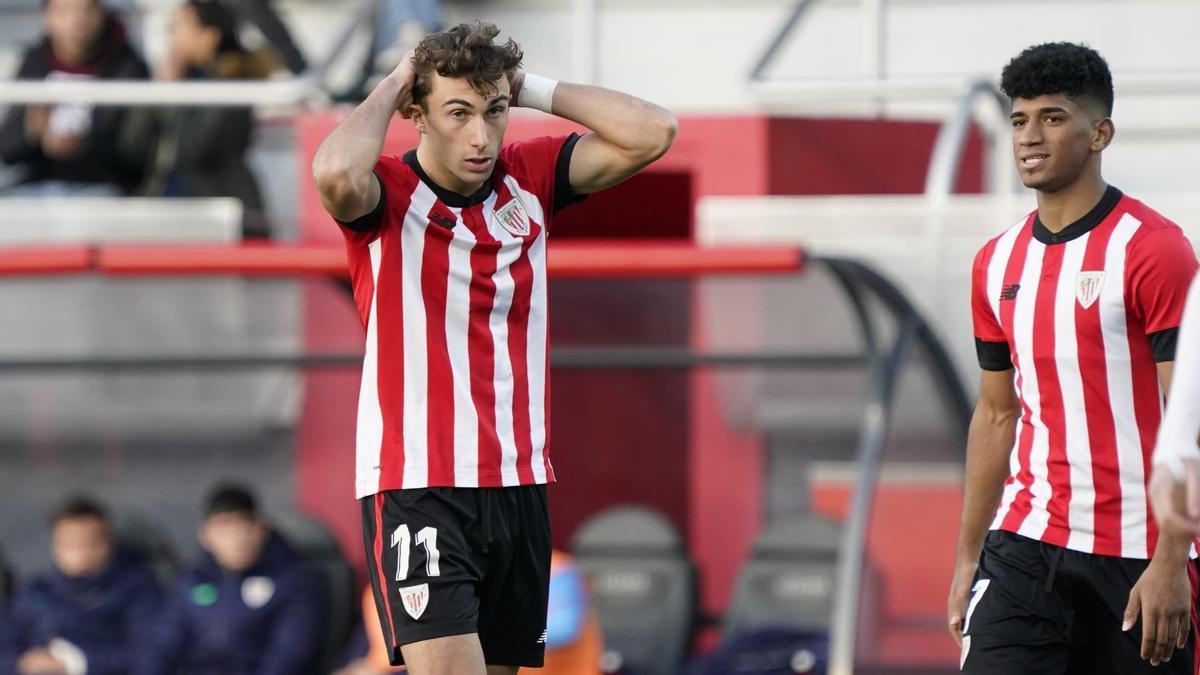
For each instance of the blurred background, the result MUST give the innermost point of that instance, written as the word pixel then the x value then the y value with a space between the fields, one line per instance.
pixel 762 366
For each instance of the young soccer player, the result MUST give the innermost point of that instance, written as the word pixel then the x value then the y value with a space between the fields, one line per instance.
pixel 447 248
pixel 1076 309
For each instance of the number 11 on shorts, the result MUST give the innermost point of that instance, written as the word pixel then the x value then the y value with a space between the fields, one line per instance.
pixel 427 539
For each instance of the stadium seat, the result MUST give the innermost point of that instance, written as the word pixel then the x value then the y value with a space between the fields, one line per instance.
pixel 788 582
pixel 151 542
pixel 643 587
pixel 313 542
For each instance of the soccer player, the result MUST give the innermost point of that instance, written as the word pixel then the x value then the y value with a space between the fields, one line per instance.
pixel 1076 310
pixel 1175 481
pixel 447 251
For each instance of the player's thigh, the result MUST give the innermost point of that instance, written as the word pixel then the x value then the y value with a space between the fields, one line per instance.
pixel 515 593
pixel 424 565
pixel 1102 585
pixel 451 655
pixel 1014 623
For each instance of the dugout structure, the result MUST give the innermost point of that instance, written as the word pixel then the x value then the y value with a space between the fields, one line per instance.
pixel 728 388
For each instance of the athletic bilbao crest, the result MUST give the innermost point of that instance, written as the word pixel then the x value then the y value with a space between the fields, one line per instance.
pixel 513 219
pixel 415 600
pixel 1087 287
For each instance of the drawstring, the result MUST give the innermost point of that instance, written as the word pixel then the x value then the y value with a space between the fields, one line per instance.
pixel 1055 557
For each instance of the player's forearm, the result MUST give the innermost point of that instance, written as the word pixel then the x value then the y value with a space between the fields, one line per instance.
pixel 1179 434
pixel 344 162
pixel 640 128
pixel 989 443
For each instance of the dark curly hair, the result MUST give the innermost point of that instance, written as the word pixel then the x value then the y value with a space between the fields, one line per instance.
pixel 466 50
pixel 1076 71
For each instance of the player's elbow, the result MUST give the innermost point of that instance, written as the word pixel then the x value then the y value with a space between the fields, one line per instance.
pixel 337 183
pixel 661 134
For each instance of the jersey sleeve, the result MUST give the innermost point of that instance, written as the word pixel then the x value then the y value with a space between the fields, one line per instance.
pixel 1180 429
pixel 991 345
pixel 365 229
pixel 1160 269
pixel 545 164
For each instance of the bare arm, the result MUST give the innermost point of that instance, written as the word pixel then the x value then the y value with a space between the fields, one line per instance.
pixel 627 133
pixel 1174 547
pixel 342 167
pixel 989 444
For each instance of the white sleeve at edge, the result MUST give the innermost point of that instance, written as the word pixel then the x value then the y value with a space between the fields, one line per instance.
pixel 1177 437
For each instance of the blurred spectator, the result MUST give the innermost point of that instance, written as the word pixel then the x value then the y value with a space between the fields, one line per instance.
pixel 574 645
pixel 201 151
pixel 250 607
pixel 91 614
pixel 71 148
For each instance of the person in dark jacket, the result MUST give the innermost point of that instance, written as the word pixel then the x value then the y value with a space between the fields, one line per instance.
pixel 250 607
pixel 92 614
pixel 201 151
pixel 72 148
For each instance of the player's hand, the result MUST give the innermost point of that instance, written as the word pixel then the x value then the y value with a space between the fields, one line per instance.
pixel 1176 502
pixel 405 74
pixel 960 592
pixel 1162 598
pixel 514 92
pixel 40 662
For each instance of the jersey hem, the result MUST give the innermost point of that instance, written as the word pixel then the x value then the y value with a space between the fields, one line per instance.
pixel 467 480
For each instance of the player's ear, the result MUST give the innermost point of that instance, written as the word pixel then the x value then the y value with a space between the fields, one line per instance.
pixel 417 115
pixel 1102 134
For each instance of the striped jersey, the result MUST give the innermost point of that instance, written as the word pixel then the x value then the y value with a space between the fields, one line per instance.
pixel 1083 316
pixel 452 292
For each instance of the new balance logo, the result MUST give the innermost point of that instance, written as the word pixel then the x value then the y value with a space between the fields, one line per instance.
pixel 542 639
pixel 1009 292
pixel 444 221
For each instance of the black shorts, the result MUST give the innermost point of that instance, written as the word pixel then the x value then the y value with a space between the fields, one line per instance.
pixel 454 561
pixel 1039 609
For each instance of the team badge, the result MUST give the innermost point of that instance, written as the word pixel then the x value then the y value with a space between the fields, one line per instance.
pixel 257 591
pixel 415 600
pixel 1087 287
pixel 513 219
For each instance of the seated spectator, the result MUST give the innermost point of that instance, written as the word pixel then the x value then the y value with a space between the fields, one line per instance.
pixel 574 645
pixel 201 151
pixel 250 606
pixel 72 148
pixel 91 614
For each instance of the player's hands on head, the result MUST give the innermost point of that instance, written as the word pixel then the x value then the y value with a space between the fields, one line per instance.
pixel 1176 499
pixel 514 92
pixel 1162 598
pixel 405 74
pixel 956 605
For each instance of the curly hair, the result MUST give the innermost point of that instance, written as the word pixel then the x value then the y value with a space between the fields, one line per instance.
pixel 468 51
pixel 1076 71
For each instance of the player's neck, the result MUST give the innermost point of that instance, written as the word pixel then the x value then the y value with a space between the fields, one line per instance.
pixel 443 177
pixel 1059 209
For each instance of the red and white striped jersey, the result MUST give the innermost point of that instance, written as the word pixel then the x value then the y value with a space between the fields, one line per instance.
pixel 1083 315
pixel 452 292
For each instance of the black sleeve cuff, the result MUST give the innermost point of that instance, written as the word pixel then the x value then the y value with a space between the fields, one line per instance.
pixel 995 356
pixel 368 222
pixel 1162 344
pixel 564 194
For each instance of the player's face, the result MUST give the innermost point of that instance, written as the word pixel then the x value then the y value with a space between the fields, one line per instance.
pixel 463 131
pixel 73 26
pixel 1054 140
pixel 80 546
pixel 235 540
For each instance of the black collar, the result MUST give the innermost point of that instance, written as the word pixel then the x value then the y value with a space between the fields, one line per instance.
pixel 448 197
pixel 1082 226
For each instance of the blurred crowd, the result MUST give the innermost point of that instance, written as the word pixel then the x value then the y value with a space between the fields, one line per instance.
pixel 251 603
pixel 180 151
